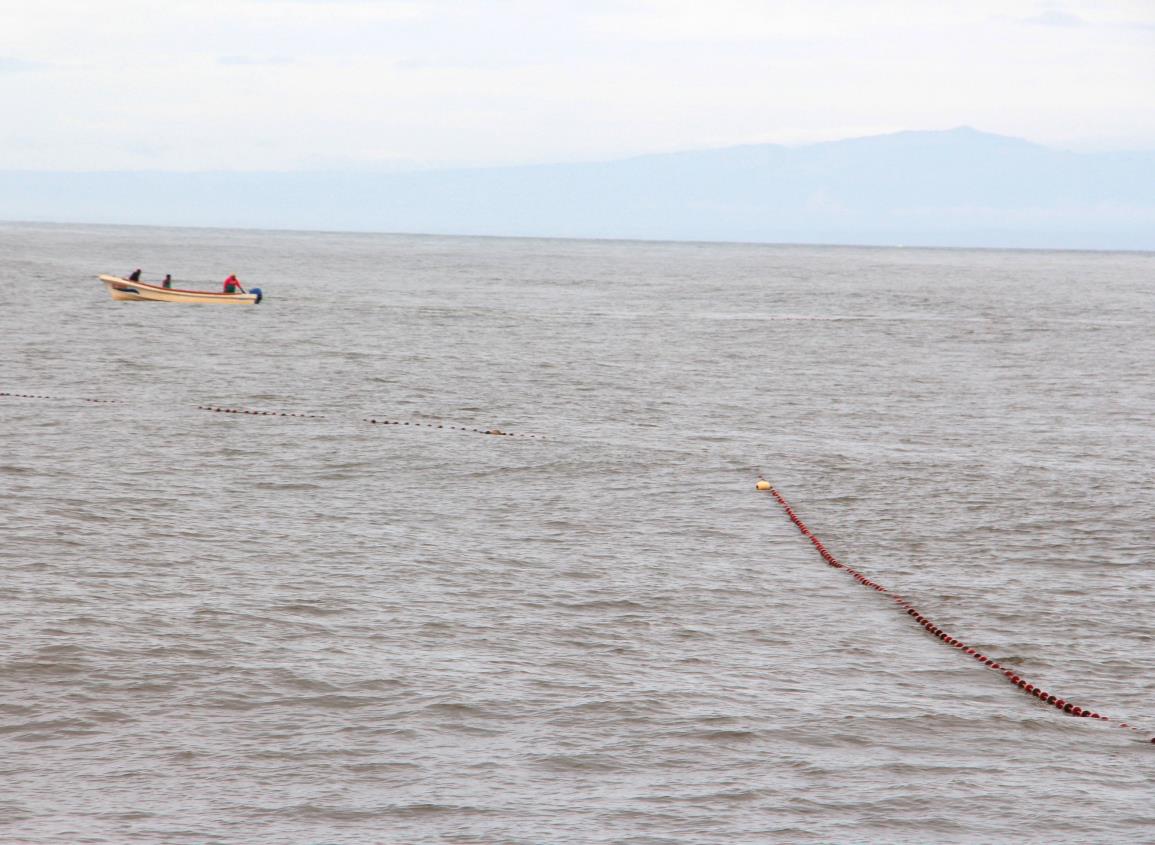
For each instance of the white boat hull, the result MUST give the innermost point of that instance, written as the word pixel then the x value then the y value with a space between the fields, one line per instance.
pixel 125 291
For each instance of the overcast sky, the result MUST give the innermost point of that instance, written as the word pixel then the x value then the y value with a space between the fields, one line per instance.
pixel 325 84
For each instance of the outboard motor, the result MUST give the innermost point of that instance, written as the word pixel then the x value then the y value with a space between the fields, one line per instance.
pixel 259 295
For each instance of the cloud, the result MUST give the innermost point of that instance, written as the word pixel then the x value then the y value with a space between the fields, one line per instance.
pixel 1054 17
pixel 1118 16
pixel 10 65
pixel 268 61
pixel 269 84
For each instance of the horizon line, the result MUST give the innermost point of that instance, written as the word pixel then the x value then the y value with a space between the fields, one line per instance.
pixel 693 242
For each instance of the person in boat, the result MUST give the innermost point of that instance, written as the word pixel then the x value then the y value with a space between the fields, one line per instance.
pixel 233 284
pixel 167 283
pixel 134 276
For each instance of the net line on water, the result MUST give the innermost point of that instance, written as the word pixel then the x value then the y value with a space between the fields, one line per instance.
pixel 267 413
pixel 554 438
pixel 928 625
pixel 1034 690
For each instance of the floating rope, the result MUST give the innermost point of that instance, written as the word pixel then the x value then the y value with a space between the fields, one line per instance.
pixel 762 485
pixel 60 398
pixel 495 431
pixel 251 412
pixel 929 626
pixel 267 413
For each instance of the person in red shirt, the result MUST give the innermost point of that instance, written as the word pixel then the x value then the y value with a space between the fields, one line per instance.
pixel 233 284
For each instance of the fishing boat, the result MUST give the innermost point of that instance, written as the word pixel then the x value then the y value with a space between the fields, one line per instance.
pixel 128 291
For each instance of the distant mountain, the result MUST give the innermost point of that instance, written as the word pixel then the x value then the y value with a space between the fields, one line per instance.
pixel 953 188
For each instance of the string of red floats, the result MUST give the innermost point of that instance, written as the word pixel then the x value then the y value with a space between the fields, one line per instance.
pixel 923 620
pixel 266 413
pixel 255 413
pixel 495 431
pixel 60 398
pixel 929 626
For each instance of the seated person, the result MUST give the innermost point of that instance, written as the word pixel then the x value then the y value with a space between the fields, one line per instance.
pixel 134 276
pixel 233 284
pixel 167 283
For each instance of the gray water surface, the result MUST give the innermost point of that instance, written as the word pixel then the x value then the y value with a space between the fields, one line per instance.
pixel 239 629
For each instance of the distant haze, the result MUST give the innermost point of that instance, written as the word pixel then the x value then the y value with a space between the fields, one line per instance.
pixel 951 188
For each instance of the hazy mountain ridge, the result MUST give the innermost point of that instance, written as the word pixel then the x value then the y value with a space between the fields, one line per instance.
pixel 958 187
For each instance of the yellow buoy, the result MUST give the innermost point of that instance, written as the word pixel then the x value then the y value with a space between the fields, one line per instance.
pixel 762 484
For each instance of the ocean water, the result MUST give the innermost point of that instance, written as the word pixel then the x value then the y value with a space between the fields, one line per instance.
pixel 225 628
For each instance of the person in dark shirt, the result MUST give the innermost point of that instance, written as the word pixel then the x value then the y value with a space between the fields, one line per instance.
pixel 167 283
pixel 135 275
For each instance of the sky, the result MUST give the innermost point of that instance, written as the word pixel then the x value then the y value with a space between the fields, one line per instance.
pixel 284 85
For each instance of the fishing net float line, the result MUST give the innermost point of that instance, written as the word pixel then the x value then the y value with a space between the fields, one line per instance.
pixel 934 630
pixel 928 625
pixel 267 413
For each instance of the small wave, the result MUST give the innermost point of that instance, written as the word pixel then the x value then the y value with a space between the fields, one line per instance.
pixel 287 486
pixel 580 763
pixel 605 604
pixel 724 735
pixel 308 609
pixel 326 702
